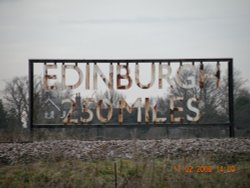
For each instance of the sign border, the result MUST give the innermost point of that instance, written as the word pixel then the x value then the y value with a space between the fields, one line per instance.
pixel 230 124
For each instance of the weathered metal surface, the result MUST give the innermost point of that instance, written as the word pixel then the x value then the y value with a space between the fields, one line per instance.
pixel 48 77
pixel 147 107
pixel 68 119
pixel 97 70
pixel 81 114
pixel 85 109
pixel 164 76
pixel 192 109
pixel 79 73
pixel 100 117
pixel 174 109
pixel 123 104
pixel 137 77
pixel 119 77
pixel 87 78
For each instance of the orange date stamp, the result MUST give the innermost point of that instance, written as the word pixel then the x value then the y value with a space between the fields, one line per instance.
pixel 204 168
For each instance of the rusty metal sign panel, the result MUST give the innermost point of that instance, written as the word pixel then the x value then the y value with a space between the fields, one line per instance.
pixel 157 92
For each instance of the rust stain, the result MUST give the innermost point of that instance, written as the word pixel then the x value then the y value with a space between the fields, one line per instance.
pixel 147 110
pixel 77 69
pixel 68 119
pixel 97 71
pixel 100 116
pixel 123 104
pixel 137 75
pixel 173 109
pixel 48 77
pixel 120 115
pixel 85 109
pixel 120 77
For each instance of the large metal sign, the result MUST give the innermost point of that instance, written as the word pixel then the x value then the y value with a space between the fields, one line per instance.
pixel 157 92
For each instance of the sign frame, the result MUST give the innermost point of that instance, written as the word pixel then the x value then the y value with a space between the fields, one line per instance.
pixel 230 123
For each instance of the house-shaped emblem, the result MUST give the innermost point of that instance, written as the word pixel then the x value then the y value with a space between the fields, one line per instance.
pixel 52 110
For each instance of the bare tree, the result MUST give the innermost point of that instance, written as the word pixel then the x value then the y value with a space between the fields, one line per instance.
pixel 16 96
pixel 239 89
pixel 210 97
pixel 242 109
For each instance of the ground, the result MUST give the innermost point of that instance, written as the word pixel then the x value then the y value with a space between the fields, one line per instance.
pixel 127 163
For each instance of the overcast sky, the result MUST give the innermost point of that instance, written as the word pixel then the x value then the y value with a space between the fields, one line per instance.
pixel 122 29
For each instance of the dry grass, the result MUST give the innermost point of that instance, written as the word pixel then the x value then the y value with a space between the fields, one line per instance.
pixel 141 173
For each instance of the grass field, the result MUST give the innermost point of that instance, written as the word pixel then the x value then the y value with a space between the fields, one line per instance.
pixel 143 173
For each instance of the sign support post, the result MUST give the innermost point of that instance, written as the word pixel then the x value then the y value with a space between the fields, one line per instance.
pixel 231 98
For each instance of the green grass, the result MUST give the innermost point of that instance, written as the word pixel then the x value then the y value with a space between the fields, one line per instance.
pixel 143 173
